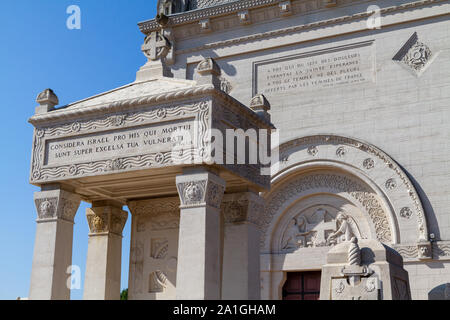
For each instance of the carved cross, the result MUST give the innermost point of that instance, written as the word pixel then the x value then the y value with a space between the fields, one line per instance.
pixel 323 227
pixel 155 46
pixel 165 264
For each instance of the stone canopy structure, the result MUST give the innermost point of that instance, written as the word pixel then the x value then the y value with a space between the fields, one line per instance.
pixel 352 97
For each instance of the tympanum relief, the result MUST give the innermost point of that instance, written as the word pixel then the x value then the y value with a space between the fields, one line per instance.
pixel 319 227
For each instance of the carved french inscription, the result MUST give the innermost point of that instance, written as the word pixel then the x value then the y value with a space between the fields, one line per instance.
pixel 133 141
pixel 315 70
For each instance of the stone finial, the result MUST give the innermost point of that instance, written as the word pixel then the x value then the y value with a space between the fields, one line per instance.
pixel 47 100
pixel 261 106
pixel 208 72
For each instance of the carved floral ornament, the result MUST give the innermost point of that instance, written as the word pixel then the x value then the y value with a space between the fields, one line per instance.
pixel 106 220
pixel 42 173
pixel 376 165
pixel 414 54
pixel 59 204
pixel 201 192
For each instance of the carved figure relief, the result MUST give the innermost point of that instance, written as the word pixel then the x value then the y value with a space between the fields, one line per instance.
pixel 320 229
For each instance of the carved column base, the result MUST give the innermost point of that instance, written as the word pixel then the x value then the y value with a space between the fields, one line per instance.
pixel 103 265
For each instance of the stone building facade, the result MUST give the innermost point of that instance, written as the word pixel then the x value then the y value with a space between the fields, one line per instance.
pixel 359 94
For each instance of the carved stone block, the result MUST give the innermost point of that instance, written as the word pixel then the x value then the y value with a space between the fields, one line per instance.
pixel 107 219
pixel 56 204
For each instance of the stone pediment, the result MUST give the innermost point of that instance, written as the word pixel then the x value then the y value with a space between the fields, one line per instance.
pixel 135 90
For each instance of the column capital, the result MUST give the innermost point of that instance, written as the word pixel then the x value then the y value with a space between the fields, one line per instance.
pixel 56 204
pixel 242 207
pixel 200 189
pixel 106 220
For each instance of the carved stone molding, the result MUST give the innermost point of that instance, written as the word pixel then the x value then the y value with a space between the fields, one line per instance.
pixel 107 219
pixel 306 6
pixel 148 26
pixel 242 207
pixel 200 189
pixel 336 183
pixel 56 204
pixel 377 165
pixel 156 214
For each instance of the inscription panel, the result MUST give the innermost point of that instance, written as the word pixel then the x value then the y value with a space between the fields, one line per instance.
pixel 345 65
pixel 161 137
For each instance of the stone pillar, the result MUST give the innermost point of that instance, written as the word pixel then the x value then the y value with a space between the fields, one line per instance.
pixel 53 246
pixel 103 265
pixel 199 250
pixel 241 258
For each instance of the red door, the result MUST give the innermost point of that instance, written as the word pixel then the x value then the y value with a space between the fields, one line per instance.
pixel 302 286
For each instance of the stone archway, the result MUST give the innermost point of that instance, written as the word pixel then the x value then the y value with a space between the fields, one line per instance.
pixel 320 178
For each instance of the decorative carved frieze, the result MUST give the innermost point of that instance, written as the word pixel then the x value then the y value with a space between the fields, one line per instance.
pixel 309 6
pixel 56 204
pixel 339 183
pixel 107 219
pixel 398 183
pixel 156 214
pixel 42 172
pixel 242 207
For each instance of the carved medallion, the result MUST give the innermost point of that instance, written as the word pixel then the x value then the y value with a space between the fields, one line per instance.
pixel 414 54
pixel 156 46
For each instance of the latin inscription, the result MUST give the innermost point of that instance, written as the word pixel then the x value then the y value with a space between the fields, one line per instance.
pixel 319 70
pixel 133 141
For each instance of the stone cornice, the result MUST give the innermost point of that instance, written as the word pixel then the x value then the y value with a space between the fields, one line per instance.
pixel 196 15
pixel 303 27
pixel 68 114
pixel 234 7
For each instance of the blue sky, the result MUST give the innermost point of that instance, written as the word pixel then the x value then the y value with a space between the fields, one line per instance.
pixel 39 52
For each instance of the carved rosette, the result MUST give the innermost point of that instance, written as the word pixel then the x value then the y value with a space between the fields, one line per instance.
pixel 200 192
pixel 242 207
pixel 56 204
pixel 106 219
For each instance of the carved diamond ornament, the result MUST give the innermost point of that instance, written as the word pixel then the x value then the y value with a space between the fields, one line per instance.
pixel 414 54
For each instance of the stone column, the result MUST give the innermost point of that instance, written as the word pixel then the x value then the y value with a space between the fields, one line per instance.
pixel 241 258
pixel 53 246
pixel 199 250
pixel 104 259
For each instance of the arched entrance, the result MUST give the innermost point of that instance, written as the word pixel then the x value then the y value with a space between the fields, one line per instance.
pixel 329 188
